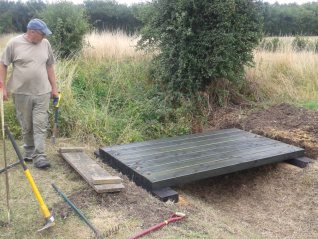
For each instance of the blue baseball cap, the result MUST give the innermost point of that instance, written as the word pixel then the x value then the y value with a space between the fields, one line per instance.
pixel 37 24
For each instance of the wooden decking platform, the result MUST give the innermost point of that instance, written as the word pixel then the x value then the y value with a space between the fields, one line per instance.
pixel 167 162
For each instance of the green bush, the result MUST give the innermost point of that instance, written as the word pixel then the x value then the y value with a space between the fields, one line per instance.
pixel 68 24
pixel 270 44
pixel 199 41
pixel 316 46
pixel 265 45
pixel 299 44
pixel 275 44
pixel 112 102
pixel 10 119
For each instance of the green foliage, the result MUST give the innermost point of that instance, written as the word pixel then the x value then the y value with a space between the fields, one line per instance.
pixel 279 19
pixel 299 44
pixel 102 15
pixel 316 46
pixel 271 44
pixel 312 105
pixel 14 15
pixel 10 119
pixel 275 44
pixel 199 41
pixel 290 19
pixel 109 15
pixel 112 102
pixel 304 44
pixel 6 23
pixel 68 24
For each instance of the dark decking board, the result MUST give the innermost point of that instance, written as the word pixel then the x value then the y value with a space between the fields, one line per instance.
pixel 167 162
pixel 300 162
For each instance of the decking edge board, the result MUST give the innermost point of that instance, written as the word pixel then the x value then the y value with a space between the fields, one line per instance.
pixel 139 179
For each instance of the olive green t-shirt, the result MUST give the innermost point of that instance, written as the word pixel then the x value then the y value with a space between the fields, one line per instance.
pixel 29 75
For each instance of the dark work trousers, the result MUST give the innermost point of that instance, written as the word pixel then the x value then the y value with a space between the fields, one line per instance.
pixel 32 114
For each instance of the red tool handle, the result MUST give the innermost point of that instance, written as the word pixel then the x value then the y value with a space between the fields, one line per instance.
pixel 174 217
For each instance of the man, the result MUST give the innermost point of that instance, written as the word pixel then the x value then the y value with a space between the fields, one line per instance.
pixel 32 83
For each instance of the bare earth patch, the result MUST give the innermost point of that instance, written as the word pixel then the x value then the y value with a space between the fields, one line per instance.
pixel 279 200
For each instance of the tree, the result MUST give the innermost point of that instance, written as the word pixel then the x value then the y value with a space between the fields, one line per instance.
pixel 14 16
pixel 199 41
pixel 68 24
pixel 110 15
pixel 290 19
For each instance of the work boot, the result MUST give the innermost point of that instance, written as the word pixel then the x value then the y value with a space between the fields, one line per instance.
pixel 28 158
pixel 41 162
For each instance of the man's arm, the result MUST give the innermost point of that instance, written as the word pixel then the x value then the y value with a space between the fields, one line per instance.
pixel 52 79
pixel 3 76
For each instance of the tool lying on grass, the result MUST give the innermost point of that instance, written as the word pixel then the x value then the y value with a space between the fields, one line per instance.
pixel 49 218
pixel 5 155
pixel 78 212
pixel 5 169
pixel 174 217
pixel 56 104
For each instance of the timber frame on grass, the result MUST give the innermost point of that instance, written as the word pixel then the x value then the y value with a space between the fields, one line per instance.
pixel 159 164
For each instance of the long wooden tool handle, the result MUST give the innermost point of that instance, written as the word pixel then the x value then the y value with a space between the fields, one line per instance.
pixel 5 155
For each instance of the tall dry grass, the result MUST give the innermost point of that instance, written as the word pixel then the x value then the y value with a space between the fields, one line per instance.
pixel 4 38
pixel 285 43
pixel 285 75
pixel 111 45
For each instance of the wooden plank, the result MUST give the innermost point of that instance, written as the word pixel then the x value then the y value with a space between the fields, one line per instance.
pixel 98 180
pixel 96 153
pixel 108 188
pixel 224 160
pixel 300 162
pixel 181 143
pixel 182 147
pixel 165 194
pixel 89 169
pixel 212 173
pixel 169 140
pixel 210 156
pixel 158 159
pixel 70 149
pixel 157 154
